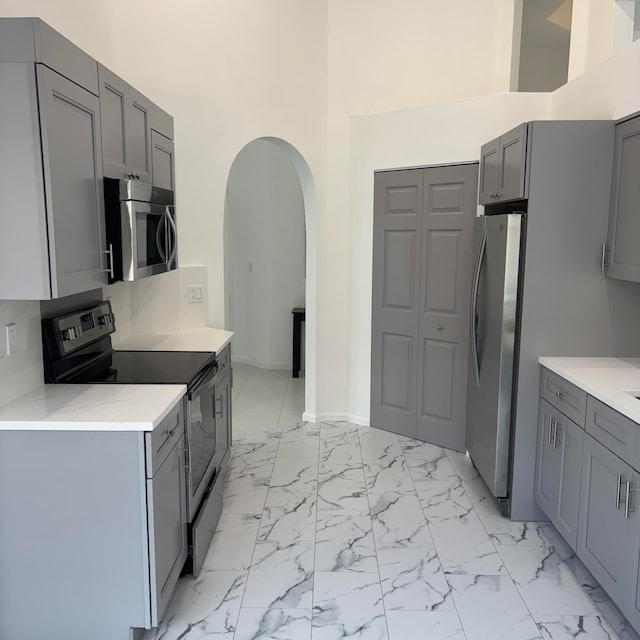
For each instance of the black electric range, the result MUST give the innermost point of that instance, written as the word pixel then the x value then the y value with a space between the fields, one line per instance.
pixel 77 349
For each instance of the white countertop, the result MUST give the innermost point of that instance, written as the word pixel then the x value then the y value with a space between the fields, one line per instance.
pixel 201 339
pixel 607 379
pixel 91 407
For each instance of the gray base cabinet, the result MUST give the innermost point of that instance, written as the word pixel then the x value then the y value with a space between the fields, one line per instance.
pixel 606 519
pixel 587 486
pixel 558 469
pixel 92 530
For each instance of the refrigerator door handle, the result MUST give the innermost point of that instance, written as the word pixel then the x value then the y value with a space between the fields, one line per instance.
pixel 474 308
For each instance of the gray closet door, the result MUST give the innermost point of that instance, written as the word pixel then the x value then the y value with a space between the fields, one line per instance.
pixel 395 299
pixel 449 211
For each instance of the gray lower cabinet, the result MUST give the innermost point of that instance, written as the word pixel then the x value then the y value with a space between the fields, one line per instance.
pixel 608 521
pixel 587 484
pixel 623 260
pixel 99 518
pixel 558 470
pixel 503 167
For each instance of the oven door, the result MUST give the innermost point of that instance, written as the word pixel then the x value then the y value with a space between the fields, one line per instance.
pixel 201 439
pixel 149 239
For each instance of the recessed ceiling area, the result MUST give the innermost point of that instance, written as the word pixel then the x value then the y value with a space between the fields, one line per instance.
pixel 544 44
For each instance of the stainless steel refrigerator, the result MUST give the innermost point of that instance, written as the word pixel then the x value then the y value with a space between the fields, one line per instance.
pixel 498 261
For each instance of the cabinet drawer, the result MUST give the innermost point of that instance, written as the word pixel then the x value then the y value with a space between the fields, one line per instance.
pixel 224 361
pixel 564 396
pixel 612 429
pixel 160 441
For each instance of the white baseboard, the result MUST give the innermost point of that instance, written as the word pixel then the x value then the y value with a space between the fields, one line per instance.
pixel 271 366
pixel 335 417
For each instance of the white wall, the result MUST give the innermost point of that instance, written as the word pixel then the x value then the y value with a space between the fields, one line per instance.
pixel 265 229
pixel 22 371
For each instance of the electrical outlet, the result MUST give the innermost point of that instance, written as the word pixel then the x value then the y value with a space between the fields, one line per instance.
pixel 12 338
pixel 195 293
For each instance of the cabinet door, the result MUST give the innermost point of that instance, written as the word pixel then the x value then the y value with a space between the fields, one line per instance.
pixel 631 608
pixel 126 132
pixel 624 216
pixel 138 135
pixel 72 154
pixel 547 483
pixel 569 440
pixel 162 161
pixel 167 514
pixel 604 530
pixel 489 161
pixel 113 101
pixel 512 164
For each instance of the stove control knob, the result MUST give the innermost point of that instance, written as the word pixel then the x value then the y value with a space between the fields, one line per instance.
pixel 69 334
pixel 106 319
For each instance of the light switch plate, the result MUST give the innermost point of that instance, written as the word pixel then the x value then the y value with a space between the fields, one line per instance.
pixel 195 293
pixel 12 338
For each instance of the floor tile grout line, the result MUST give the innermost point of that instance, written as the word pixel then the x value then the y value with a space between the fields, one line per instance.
pixel 244 592
pixel 375 544
pixel 435 547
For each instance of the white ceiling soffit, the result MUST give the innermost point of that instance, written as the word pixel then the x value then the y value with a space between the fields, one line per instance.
pixel 562 15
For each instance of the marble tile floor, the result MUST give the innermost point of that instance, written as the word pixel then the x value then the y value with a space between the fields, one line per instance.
pixel 339 531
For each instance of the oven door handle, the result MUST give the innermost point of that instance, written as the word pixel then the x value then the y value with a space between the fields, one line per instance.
pixel 205 380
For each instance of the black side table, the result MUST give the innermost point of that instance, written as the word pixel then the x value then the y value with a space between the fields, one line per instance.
pixel 298 319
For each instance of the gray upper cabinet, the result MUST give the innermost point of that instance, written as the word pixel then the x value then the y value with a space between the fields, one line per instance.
pixel 126 129
pixel 52 224
pixel 137 135
pixel 624 217
pixel 162 161
pixel 503 167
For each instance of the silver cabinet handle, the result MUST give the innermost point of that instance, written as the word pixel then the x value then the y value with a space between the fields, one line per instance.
pixel 219 404
pixel 557 429
pixel 619 486
pixel 603 258
pixel 439 327
pixel 109 270
pixel 560 394
pixel 551 423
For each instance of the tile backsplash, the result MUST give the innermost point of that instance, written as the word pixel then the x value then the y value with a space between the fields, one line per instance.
pixel 158 304
pixel 20 372
pixel 154 305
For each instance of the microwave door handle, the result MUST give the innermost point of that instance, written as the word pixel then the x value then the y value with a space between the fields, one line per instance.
pixel 159 240
pixel 174 232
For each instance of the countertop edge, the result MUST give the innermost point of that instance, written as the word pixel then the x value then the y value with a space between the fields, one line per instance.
pixel 619 399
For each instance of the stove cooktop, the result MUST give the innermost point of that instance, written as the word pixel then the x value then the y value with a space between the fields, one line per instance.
pixel 147 367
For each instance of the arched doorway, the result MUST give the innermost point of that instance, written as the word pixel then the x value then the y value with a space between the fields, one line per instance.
pixel 270 259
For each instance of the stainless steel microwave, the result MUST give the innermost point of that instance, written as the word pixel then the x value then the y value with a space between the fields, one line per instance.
pixel 141 230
